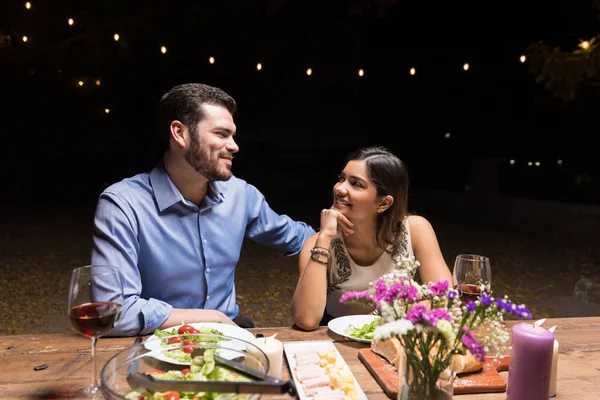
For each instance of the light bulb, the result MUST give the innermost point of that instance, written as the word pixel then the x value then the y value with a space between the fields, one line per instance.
pixel 211 60
pixel 25 39
pixel 523 58
pixel 466 66
pixel 259 66
pixel 116 37
pixel 28 5
pixel 309 71
pixel 413 71
pixel 163 49
pixel 361 72
pixel 71 21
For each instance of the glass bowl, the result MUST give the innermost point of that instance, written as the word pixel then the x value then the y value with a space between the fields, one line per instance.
pixel 171 354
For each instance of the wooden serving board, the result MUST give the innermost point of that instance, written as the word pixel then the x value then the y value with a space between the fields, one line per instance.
pixel 487 380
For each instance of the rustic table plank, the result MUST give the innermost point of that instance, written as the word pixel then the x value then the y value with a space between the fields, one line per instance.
pixel 69 361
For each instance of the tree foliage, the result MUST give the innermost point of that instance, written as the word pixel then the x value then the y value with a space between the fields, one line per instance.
pixel 565 72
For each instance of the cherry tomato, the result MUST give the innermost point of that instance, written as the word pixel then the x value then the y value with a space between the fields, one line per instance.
pixel 188 346
pixel 185 371
pixel 142 398
pixel 174 339
pixel 187 329
pixel 172 396
pixel 154 371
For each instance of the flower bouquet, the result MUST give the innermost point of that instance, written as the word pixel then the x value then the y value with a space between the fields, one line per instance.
pixel 433 325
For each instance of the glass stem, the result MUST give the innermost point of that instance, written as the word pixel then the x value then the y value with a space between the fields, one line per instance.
pixel 94 383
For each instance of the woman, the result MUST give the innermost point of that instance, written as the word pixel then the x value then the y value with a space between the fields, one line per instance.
pixel 367 227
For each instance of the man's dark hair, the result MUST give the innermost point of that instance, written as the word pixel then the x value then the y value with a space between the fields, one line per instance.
pixel 185 103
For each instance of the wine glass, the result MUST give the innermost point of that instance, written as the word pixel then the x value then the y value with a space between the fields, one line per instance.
pixel 95 303
pixel 471 276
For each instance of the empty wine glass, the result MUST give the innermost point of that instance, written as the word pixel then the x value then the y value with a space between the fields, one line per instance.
pixel 472 275
pixel 95 303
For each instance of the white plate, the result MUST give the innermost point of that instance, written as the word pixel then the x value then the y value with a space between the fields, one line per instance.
pixel 338 325
pixel 292 347
pixel 153 343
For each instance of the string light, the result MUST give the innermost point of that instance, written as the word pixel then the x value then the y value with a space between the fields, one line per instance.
pixel 116 37
pixel 584 45
pixel 559 162
pixel 80 83
pixel 413 71
pixel 25 39
pixel 98 82
pixel 522 58
pixel 211 60
pixel 512 162
pixel 71 21
pixel 361 72
pixel 163 49
pixel 447 135
pixel 537 163
pixel 259 66
pixel 529 163
pixel 107 110
pixel 28 5
pixel 466 66
pixel 309 72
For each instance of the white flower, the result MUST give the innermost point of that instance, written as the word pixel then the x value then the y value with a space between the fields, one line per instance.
pixel 399 327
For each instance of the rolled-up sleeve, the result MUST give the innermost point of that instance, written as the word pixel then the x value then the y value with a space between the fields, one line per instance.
pixel 115 242
pixel 271 229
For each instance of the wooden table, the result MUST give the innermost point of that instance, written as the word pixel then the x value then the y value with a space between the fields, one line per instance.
pixel 68 357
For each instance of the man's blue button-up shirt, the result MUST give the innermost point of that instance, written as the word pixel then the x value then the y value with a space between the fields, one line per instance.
pixel 173 253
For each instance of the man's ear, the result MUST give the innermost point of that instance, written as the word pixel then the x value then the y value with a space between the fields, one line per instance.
pixel 385 203
pixel 179 133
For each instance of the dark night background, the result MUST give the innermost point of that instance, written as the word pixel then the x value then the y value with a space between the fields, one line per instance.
pixel 59 149
pixel 59 144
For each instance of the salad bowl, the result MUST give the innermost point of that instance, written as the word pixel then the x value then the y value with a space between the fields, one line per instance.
pixel 221 368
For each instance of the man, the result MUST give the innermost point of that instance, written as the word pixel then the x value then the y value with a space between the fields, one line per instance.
pixel 176 233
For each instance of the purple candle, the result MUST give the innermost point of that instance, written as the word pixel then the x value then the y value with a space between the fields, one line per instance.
pixel 530 363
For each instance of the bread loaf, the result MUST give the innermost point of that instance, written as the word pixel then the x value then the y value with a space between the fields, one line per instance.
pixel 391 350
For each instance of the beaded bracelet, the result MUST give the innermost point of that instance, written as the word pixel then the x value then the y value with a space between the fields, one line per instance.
pixel 316 252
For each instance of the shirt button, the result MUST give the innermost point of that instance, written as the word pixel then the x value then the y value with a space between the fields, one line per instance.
pixel 207 297
pixel 204 241
pixel 207 269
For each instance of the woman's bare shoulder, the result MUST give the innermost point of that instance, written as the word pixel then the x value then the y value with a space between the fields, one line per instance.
pixel 418 222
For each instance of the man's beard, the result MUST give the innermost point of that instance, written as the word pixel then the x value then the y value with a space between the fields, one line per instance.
pixel 201 161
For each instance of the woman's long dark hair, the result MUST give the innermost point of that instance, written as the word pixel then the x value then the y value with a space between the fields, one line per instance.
pixel 390 177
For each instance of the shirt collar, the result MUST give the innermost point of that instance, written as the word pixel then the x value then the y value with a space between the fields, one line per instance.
pixel 167 194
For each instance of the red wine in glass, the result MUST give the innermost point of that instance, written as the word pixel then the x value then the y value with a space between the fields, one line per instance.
pixel 469 292
pixel 95 319
pixel 94 308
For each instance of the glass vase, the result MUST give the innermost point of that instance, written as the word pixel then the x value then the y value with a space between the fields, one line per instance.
pixel 424 380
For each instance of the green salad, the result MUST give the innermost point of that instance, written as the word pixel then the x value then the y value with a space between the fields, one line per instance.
pixel 187 337
pixel 365 332
pixel 202 368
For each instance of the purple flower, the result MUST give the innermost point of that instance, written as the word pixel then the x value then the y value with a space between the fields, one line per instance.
pixel 486 299
pixel 410 293
pixel 438 289
pixel 522 312
pixel 433 316
pixel 471 306
pixel 452 294
pixel 473 345
pixel 510 308
pixel 416 313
